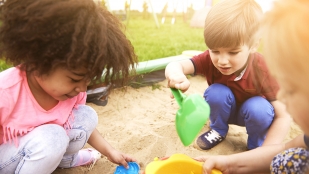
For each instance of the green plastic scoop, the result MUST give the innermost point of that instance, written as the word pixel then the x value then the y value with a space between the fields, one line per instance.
pixel 191 117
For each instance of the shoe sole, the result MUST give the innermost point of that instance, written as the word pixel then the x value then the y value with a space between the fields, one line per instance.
pixel 198 147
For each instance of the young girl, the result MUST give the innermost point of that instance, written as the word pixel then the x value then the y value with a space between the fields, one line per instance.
pixel 57 48
pixel 286 47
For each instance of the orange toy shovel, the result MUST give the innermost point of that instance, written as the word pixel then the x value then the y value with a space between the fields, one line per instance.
pixel 191 117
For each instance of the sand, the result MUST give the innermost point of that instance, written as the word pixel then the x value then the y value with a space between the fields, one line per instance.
pixel 141 122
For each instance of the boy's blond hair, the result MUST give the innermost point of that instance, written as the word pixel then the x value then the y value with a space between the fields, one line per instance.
pixel 232 23
pixel 286 42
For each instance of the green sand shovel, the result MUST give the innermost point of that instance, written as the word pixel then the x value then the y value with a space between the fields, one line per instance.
pixel 191 117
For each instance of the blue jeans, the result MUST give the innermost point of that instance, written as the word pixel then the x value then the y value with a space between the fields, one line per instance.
pixel 256 114
pixel 49 146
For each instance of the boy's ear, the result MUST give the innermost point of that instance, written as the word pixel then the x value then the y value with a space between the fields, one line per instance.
pixel 253 49
pixel 255 46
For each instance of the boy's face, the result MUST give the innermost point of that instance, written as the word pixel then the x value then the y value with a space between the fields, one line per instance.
pixel 62 84
pixel 296 102
pixel 230 60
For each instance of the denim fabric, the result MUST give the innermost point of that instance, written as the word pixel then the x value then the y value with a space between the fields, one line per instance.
pixel 48 146
pixel 256 114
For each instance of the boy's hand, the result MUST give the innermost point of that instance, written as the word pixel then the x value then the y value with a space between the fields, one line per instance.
pixel 120 158
pixel 178 81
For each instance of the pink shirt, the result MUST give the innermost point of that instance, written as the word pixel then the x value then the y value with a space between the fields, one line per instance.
pixel 19 111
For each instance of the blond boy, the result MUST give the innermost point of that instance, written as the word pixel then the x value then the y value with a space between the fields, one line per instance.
pixel 286 48
pixel 241 91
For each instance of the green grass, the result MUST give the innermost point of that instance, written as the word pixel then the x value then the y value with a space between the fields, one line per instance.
pixel 152 43
pixel 3 65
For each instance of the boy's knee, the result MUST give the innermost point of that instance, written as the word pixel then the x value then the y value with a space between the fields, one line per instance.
pixel 258 110
pixel 258 106
pixel 216 92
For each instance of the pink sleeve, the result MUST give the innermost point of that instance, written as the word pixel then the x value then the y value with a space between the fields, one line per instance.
pixel 4 107
pixel 5 111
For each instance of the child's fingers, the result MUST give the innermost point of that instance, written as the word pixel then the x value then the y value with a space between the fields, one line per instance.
pixel 176 79
pixel 171 95
pixel 201 158
pixel 124 163
pixel 183 86
pixel 130 159
pixel 207 166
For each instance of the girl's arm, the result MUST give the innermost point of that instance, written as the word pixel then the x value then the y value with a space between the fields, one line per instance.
pixel 280 125
pixel 254 161
pixel 100 144
pixel 296 142
pixel 259 160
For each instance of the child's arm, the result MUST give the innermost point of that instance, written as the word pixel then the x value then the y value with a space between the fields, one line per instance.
pixel 296 142
pixel 175 73
pixel 280 125
pixel 254 161
pixel 100 144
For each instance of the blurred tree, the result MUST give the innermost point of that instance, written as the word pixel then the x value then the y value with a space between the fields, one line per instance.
pixel 103 3
pixel 145 10
pixel 163 12
pixel 190 11
pixel 127 6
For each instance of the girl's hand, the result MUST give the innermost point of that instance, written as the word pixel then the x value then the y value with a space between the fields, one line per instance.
pixel 120 158
pixel 219 162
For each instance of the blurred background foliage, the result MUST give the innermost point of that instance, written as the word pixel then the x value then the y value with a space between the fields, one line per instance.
pixel 153 39
pixel 151 42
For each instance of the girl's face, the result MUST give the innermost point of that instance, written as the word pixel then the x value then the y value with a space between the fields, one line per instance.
pixel 296 103
pixel 230 60
pixel 62 84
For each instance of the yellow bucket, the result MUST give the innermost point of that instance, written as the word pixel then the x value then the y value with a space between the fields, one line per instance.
pixel 176 164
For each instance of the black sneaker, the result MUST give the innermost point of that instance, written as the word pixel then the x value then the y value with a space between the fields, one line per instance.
pixel 208 140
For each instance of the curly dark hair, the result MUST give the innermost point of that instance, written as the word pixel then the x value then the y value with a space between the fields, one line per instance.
pixel 37 35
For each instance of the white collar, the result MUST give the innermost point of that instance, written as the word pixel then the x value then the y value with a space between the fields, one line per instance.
pixel 241 74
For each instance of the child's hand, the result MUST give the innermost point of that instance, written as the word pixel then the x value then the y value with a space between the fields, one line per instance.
pixel 120 158
pixel 219 162
pixel 178 81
